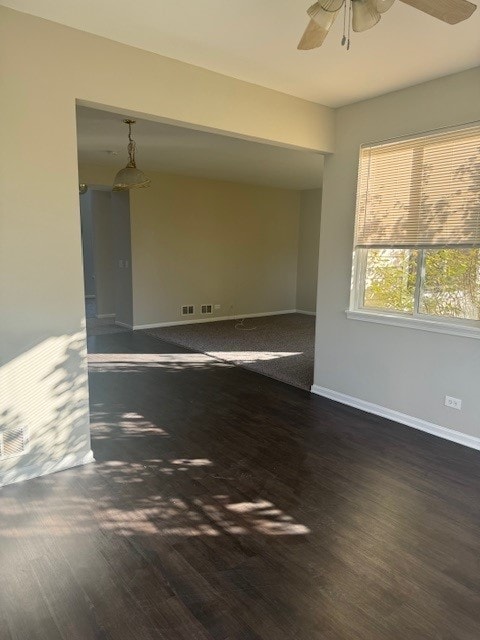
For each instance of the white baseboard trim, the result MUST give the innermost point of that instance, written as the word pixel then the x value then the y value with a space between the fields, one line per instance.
pixel 105 315
pixel 123 324
pixel 397 416
pixel 50 466
pixel 158 325
pixel 306 313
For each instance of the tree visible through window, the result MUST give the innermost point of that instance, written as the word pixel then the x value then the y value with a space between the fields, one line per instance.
pixel 417 230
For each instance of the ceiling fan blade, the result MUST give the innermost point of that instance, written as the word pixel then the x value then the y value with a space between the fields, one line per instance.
pixel 451 11
pixel 313 36
pixel 323 17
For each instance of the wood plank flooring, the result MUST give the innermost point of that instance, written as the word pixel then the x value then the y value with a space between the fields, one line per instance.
pixel 227 506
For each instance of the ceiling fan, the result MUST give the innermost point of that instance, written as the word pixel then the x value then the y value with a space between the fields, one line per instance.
pixel 364 14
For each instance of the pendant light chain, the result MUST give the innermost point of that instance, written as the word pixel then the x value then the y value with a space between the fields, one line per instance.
pixel 131 145
pixel 130 177
pixel 349 23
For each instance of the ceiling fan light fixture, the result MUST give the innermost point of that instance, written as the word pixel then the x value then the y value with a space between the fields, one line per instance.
pixel 331 5
pixel 364 15
pixel 383 5
pixel 130 177
pixel 361 15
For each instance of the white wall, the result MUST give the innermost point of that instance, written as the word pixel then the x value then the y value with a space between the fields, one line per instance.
pixel 45 68
pixel 308 241
pixel 406 370
pixel 198 241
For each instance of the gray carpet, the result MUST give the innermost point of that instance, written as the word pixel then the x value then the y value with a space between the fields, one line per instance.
pixel 281 347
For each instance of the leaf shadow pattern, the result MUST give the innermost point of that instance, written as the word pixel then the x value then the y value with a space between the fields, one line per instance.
pixel 222 504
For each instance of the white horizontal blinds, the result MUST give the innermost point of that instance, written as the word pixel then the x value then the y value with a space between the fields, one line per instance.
pixel 420 192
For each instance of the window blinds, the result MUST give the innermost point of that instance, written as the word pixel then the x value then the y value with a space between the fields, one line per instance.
pixel 420 192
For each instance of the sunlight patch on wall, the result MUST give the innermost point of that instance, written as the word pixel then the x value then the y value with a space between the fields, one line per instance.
pixel 43 391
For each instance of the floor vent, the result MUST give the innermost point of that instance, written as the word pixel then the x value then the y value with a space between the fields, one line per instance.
pixel 206 308
pixel 13 442
pixel 188 310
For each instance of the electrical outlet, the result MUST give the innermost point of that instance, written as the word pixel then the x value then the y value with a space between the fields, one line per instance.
pixel 453 403
pixel 206 309
pixel 217 307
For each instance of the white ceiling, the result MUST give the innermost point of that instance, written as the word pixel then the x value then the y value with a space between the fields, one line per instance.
pixel 255 40
pixel 167 148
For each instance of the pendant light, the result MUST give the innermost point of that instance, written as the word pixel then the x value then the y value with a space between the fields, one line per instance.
pixel 130 177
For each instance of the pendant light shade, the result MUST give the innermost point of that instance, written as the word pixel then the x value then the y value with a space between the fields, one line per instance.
pixel 383 5
pixel 364 14
pixel 130 177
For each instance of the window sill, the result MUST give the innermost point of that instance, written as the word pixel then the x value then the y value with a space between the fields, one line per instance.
pixel 453 329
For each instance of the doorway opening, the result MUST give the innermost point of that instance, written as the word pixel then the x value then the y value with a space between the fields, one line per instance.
pixel 224 242
pixel 107 259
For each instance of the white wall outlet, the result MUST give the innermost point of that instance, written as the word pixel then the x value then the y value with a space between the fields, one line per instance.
pixel 217 307
pixel 453 403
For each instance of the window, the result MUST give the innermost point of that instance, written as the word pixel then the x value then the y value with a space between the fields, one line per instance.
pixel 417 228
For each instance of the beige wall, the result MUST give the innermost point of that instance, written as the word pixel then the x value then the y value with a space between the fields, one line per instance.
pixel 45 68
pixel 198 241
pixel 308 240
pixel 406 370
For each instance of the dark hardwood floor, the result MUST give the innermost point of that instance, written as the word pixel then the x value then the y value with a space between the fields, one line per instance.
pixel 224 505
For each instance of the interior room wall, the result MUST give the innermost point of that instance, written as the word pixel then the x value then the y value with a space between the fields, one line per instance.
pixel 308 242
pixel 197 241
pixel 42 324
pixel 401 369
pixel 120 201
pixel 104 252
pixel 87 245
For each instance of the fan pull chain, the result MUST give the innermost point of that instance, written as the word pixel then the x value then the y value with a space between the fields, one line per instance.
pixel 345 39
pixel 349 23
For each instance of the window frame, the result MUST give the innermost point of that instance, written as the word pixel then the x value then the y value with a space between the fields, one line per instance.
pixel 357 297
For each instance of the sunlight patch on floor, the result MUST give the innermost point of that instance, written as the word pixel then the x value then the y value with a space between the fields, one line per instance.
pixel 110 361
